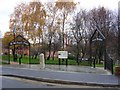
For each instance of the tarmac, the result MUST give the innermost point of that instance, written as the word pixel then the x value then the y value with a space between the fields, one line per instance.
pixel 73 75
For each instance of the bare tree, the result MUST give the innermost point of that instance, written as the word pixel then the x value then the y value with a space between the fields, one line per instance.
pixel 50 24
pixel 79 31
pixel 56 43
pixel 65 9
pixel 104 20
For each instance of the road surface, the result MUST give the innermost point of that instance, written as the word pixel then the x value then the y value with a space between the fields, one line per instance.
pixel 17 82
pixel 11 82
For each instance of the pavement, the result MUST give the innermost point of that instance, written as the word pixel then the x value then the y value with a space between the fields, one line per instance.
pixel 62 77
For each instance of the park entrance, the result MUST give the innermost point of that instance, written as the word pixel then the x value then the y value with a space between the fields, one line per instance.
pixel 18 48
pixel 98 51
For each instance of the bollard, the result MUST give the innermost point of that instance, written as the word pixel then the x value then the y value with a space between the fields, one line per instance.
pixel 42 61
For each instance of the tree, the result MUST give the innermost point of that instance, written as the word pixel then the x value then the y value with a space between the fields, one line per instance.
pixel 16 18
pixel 51 11
pixel 6 39
pixel 65 9
pixel 29 20
pixel 34 21
pixel 79 31
pixel 56 40
pixel 104 20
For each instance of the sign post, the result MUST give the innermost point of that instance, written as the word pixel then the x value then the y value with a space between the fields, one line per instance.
pixel 63 55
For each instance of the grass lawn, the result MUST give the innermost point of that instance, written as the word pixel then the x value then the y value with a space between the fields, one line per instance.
pixel 70 62
pixel 25 60
pixel 3 63
pixel 99 65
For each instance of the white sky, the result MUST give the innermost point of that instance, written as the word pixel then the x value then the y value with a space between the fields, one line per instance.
pixel 7 7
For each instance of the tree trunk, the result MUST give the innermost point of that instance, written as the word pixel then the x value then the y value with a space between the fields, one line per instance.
pixel 63 29
pixel 36 56
pixel 48 58
pixel 77 57
pixel 53 55
pixel 32 56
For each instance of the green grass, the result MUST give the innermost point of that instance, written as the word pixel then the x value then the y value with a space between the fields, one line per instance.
pixel 70 62
pixel 3 63
pixel 25 60
pixel 99 65
pixel 56 62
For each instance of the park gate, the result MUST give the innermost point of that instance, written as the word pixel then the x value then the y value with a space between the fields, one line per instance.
pixel 17 42
pixel 99 39
pixel 109 63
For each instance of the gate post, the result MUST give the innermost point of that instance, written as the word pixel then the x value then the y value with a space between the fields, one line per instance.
pixel 105 54
pixel 111 66
pixel 59 61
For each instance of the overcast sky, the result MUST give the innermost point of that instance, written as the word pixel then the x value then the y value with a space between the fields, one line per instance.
pixel 7 7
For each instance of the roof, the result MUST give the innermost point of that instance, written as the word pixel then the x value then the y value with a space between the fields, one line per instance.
pixel 19 40
pixel 99 32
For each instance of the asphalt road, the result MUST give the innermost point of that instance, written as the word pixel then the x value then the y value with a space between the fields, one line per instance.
pixel 10 82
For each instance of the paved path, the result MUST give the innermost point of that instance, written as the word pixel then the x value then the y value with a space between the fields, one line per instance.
pixel 72 77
